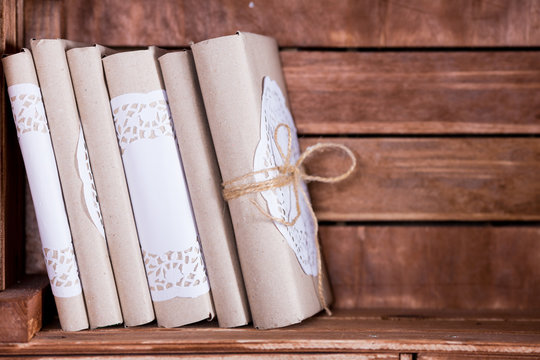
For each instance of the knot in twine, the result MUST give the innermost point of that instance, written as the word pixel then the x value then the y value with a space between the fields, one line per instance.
pixel 291 174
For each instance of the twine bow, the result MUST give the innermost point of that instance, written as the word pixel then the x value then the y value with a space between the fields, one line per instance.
pixel 290 173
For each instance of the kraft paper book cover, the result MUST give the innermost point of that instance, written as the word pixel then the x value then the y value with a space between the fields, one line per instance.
pixel 159 195
pixel 122 239
pixel 76 178
pixel 245 97
pixel 37 151
pixel 204 182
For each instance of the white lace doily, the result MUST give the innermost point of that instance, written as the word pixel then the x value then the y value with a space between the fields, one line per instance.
pixel 281 202
pixel 159 195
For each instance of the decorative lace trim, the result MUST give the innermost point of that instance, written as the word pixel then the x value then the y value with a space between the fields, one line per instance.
pixel 62 271
pixel 28 110
pixel 176 273
pixel 281 202
pixel 141 116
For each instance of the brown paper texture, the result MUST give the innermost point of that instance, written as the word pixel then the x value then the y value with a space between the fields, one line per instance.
pixel 204 180
pixel 122 239
pixel 90 245
pixel 231 71
pixel 138 72
pixel 19 69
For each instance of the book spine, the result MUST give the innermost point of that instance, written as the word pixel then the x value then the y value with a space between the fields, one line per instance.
pixel 160 199
pixel 96 118
pixel 204 182
pixel 77 183
pixel 38 156
pixel 278 261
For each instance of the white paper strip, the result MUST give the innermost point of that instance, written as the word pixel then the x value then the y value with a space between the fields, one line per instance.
pixel 40 164
pixel 159 196
pixel 281 202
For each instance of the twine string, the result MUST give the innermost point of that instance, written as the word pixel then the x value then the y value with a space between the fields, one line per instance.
pixel 291 174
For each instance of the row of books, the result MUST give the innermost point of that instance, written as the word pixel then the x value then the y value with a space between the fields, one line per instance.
pixel 125 153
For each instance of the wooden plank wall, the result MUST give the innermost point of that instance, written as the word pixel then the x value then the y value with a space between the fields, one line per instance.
pixel 343 23
pixel 444 209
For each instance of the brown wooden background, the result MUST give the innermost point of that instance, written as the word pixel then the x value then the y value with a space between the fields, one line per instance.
pixel 440 100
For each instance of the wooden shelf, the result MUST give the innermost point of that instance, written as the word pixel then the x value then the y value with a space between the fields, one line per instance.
pixel 387 333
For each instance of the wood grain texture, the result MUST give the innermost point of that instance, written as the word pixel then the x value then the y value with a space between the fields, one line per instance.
pixel 378 356
pixel 298 23
pixel 414 92
pixel 21 309
pixel 345 332
pixel 427 356
pixel 434 267
pixel 11 169
pixel 462 179
pixel 375 356
pixel 43 19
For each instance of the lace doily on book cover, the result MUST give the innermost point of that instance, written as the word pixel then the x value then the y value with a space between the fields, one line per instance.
pixel 28 110
pixel 176 273
pixel 179 271
pixel 62 271
pixel 142 116
pixel 281 202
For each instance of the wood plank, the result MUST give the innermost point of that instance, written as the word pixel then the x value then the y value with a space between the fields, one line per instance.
pixel 345 332
pixel 416 267
pixel 297 23
pixel 21 309
pixel 428 356
pixel 462 23
pixel 414 92
pixel 464 179
pixel 378 356
pixel 43 19
pixel 11 169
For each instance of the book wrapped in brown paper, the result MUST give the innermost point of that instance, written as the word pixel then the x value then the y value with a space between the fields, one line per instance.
pixel 245 98
pixel 97 122
pixel 159 195
pixel 204 182
pixel 77 182
pixel 37 151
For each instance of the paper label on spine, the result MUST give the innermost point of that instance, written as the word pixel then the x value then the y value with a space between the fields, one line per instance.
pixel 89 188
pixel 40 164
pixel 159 195
pixel 281 202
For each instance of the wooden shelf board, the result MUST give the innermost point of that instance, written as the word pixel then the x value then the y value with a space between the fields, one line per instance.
pixel 346 332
